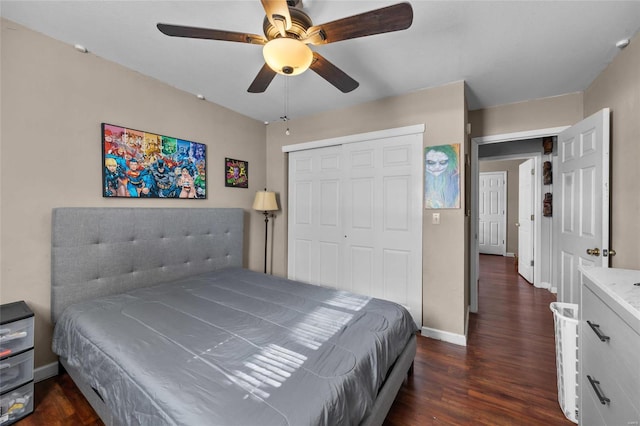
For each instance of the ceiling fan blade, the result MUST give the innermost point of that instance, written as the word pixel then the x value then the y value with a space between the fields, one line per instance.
pixel 262 80
pixel 210 34
pixel 333 74
pixel 278 14
pixel 387 19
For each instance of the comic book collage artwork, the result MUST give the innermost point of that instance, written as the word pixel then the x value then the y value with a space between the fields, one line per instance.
pixel 147 165
pixel 236 173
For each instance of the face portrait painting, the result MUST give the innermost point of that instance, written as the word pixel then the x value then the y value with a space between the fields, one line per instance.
pixel 442 177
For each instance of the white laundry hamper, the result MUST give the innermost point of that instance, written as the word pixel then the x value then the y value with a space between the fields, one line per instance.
pixel 565 317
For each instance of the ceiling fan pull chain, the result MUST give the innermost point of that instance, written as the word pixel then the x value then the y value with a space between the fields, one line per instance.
pixel 286 104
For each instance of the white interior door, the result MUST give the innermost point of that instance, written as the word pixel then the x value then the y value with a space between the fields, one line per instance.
pixel 583 201
pixel 355 218
pixel 492 213
pixel 383 220
pixel 526 220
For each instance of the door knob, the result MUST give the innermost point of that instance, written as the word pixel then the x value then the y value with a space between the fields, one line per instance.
pixel 593 252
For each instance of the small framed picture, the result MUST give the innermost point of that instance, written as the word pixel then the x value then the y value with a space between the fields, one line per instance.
pixel 236 173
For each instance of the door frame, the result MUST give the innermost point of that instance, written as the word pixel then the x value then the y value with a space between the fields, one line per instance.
pixel 475 177
pixel 503 228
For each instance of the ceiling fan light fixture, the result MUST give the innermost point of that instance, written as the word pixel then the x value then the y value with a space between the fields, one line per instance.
pixel 287 56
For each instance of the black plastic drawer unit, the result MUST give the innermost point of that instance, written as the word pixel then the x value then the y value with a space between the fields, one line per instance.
pixel 16 362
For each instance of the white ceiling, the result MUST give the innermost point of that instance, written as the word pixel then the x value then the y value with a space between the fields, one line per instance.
pixel 506 51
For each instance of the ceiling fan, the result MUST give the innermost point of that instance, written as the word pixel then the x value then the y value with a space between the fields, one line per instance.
pixel 288 31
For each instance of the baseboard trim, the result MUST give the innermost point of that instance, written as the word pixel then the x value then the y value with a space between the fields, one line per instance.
pixel 507 254
pixel 543 285
pixel 45 372
pixel 445 336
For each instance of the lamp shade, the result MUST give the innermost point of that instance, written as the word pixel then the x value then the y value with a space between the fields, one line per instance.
pixel 287 56
pixel 265 201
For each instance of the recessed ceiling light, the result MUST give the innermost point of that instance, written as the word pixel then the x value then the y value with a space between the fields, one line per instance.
pixel 80 48
pixel 622 43
pixel 200 96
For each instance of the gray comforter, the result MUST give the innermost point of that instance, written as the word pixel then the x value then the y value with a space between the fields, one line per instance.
pixel 234 347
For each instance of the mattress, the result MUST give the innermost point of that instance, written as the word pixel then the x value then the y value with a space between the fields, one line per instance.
pixel 234 347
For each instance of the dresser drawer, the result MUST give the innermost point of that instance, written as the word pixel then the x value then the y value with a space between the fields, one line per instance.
pixel 16 404
pixel 16 328
pixel 16 337
pixel 621 409
pixel 620 346
pixel 16 371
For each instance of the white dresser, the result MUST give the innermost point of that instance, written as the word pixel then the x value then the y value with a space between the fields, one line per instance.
pixel 609 347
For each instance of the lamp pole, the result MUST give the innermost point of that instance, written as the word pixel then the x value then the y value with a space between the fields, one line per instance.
pixel 266 229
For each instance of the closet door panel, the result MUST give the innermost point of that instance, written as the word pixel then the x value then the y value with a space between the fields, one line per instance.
pixel 329 264
pixel 303 261
pixel 329 207
pixel 360 270
pixel 361 200
pixel 396 285
pixel 396 191
pixel 303 206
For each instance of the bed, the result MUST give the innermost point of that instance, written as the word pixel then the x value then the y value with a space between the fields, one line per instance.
pixel 157 323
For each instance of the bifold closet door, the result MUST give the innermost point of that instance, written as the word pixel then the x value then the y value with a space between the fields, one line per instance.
pixel 315 216
pixel 355 218
pixel 383 220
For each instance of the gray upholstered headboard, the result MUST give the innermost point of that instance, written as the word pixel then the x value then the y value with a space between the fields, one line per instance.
pixel 101 251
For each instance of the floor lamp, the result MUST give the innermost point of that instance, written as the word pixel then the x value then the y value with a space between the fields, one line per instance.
pixel 265 202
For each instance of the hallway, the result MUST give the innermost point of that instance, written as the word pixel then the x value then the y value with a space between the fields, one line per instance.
pixel 507 373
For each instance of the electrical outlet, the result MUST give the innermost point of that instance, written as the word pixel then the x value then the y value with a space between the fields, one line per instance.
pixel 436 219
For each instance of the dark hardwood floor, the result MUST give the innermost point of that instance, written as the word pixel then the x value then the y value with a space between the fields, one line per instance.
pixel 505 376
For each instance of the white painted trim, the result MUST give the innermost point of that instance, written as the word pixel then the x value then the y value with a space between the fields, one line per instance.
pixel 445 336
pixel 466 326
pixel 554 290
pixel 473 234
pixel 529 134
pixel 45 372
pixel 360 137
pixel 543 285
pixel 509 254
pixel 509 157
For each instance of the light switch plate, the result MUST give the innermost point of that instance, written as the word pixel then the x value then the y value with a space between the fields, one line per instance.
pixel 436 219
